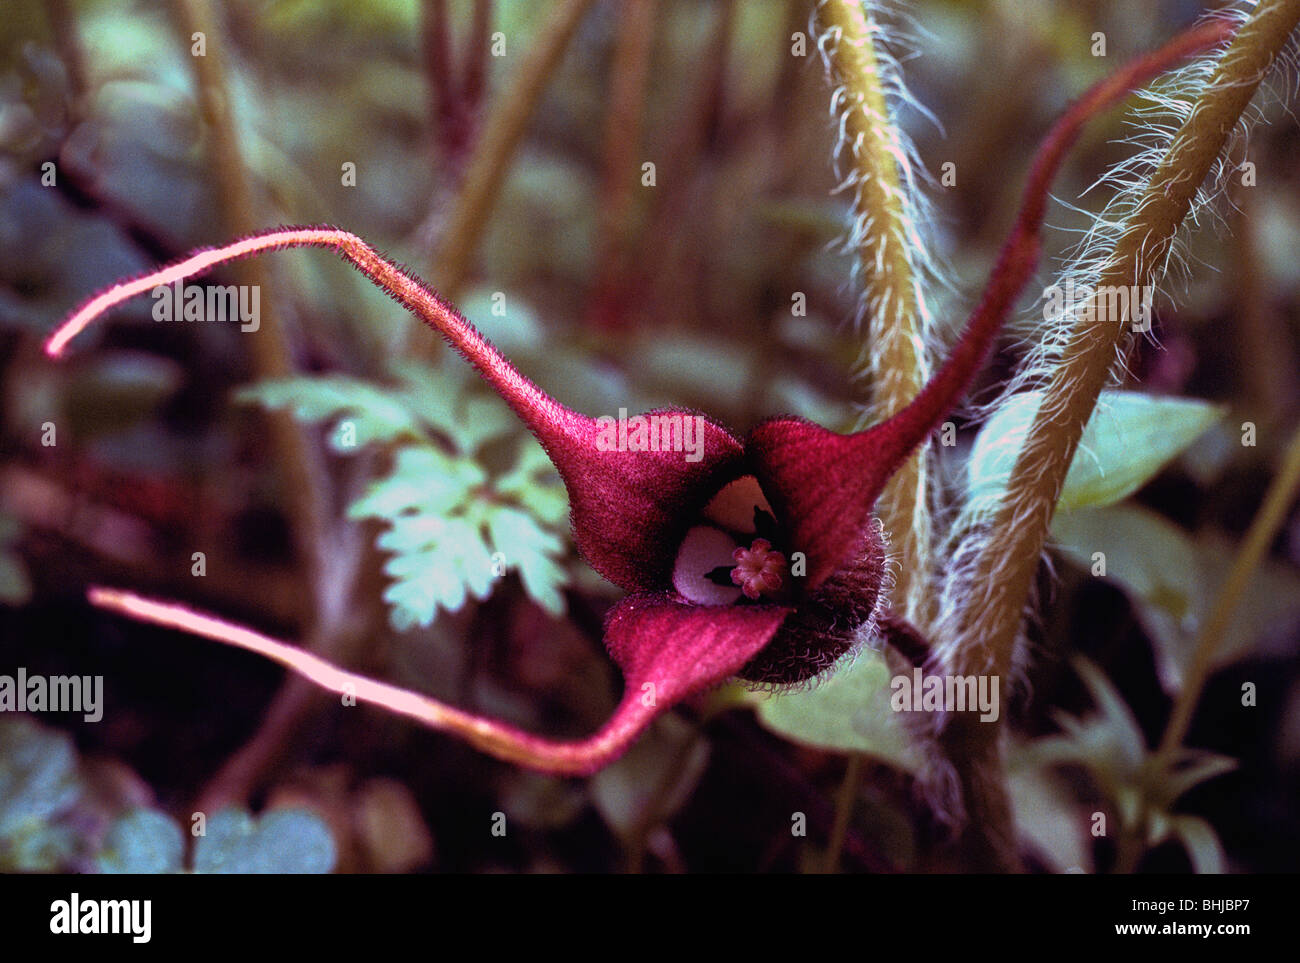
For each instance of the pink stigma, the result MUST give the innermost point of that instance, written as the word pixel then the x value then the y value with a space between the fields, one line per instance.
pixel 758 568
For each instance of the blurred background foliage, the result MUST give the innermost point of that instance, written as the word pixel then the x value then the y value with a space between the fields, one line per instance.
pixel 610 294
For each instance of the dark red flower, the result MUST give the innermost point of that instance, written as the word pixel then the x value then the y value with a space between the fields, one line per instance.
pixel 755 557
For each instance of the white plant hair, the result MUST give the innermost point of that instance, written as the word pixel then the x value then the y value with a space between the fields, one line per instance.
pixel 1160 111
pixel 1152 122
pixel 892 32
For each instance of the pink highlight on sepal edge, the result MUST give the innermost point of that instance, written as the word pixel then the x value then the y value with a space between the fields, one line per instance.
pixel 629 509
pixel 668 651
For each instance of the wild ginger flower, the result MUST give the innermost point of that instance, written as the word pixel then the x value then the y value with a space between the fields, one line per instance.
pixel 759 559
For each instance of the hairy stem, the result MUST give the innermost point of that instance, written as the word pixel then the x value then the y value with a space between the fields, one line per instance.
pixel 896 437
pixel 892 299
pixel 1020 529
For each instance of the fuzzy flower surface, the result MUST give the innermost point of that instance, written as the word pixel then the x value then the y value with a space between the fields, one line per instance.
pixel 756 557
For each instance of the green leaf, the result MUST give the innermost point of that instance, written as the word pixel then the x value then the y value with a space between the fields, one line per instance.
pixel 443 397
pixel 445 515
pixel 514 331
pixel 1128 440
pixel 375 414
pixel 440 560
pixel 143 841
pixel 423 480
pixel 483 420
pixel 528 547
pixel 281 841
pixel 1153 562
pixel 534 483
pixel 850 712
pixel 444 529
pixel 1173 579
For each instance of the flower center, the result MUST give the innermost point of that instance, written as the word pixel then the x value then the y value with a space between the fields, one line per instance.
pixel 729 556
pixel 758 568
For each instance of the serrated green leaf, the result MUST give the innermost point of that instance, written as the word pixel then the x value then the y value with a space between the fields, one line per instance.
pixel 516 533
pixel 529 548
pixel 439 572
pixel 447 398
pixel 374 413
pixel 850 712
pixel 281 841
pixel 535 484
pixel 543 580
pixel 435 393
pixel 1128 440
pixel 441 508
pixel 483 420
pixel 143 841
pixel 423 480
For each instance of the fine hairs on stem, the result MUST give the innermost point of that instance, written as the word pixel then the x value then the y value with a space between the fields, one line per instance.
pixel 990 584
pixel 914 403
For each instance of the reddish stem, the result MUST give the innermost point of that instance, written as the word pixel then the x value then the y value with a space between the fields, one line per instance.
pixel 548 419
pixel 1018 258
pixel 503 741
